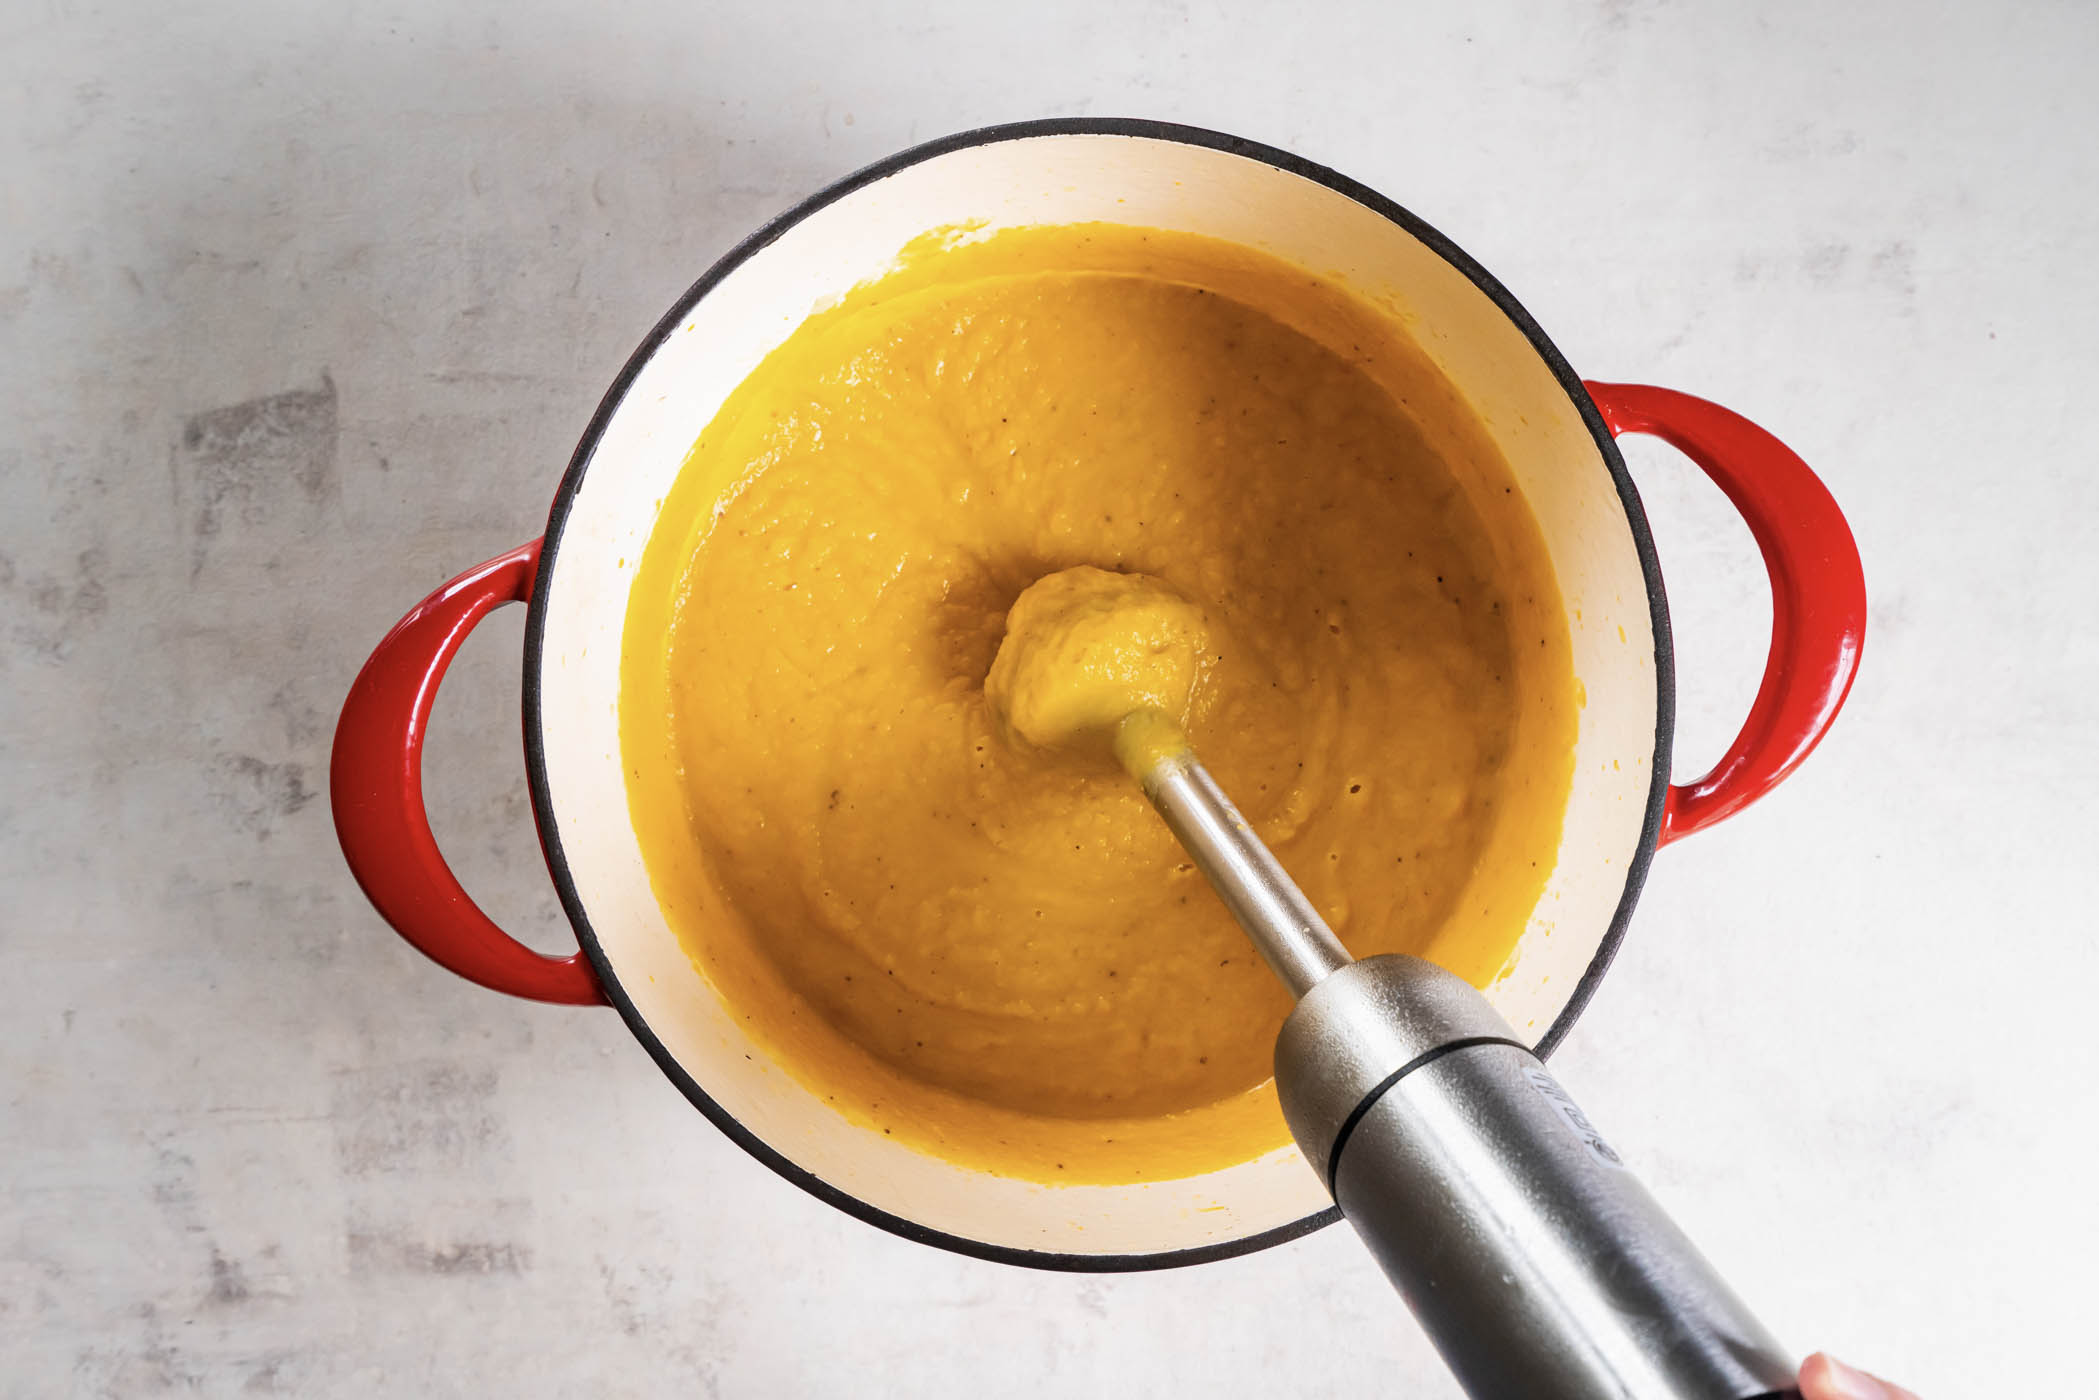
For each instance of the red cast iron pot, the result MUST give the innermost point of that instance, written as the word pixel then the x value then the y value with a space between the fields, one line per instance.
pixel 1557 432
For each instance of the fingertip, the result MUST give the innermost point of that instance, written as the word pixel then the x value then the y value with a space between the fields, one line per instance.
pixel 1823 1377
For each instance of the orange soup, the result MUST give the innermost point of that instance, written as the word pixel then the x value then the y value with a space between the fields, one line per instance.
pixel 993 950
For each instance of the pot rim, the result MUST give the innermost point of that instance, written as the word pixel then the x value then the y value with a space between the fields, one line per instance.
pixel 615 395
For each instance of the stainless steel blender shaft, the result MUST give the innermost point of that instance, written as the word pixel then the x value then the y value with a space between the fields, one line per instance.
pixel 1535 1261
pixel 1246 875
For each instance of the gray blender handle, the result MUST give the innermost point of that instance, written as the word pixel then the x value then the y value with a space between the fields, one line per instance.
pixel 1541 1269
pixel 1538 1264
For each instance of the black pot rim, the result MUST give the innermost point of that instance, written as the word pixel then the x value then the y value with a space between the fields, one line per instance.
pixel 586 448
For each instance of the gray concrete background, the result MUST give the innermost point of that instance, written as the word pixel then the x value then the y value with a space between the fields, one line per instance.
pixel 302 308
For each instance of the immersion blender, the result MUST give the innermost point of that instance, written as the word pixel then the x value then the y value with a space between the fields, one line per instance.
pixel 1537 1263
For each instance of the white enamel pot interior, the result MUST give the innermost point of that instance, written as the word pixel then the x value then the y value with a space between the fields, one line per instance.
pixel 1150 175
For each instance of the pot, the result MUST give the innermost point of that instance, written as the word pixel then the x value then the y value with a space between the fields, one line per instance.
pixel 1556 431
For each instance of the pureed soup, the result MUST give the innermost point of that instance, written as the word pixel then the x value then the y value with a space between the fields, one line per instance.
pixel 996 952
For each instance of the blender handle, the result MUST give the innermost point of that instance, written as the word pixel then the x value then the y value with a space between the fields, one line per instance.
pixel 1535 1260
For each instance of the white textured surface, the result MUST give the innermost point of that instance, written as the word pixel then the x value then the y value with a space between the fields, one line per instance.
pixel 301 309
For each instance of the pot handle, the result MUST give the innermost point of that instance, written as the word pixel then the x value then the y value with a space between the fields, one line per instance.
pixel 375 786
pixel 1818 592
